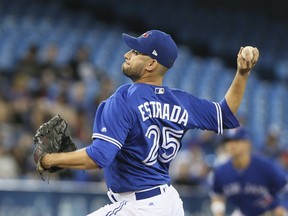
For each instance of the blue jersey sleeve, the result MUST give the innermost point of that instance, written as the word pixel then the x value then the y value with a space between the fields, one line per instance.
pixel 208 115
pixel 102 152
pixel 111 125
pixel 228 118
pixel 113 121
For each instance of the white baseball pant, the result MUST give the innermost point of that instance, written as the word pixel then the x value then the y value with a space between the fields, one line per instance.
pixel 162 200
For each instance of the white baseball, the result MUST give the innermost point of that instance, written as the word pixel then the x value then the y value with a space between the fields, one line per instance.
pixel 247 53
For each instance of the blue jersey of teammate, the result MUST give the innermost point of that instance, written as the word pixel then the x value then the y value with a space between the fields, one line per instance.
pixel 253 190
pixel 138 131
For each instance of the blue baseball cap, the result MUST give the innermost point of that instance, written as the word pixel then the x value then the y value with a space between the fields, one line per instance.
pixel 239 133
pixel 156 44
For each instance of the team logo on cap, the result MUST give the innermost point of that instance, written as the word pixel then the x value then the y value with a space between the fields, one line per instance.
pixel 155 53
pixel 146 34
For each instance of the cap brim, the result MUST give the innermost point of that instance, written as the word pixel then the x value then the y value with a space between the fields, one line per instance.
pixel 132 42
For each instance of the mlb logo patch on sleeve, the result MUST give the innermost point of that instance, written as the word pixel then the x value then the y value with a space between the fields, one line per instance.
pixel 159 90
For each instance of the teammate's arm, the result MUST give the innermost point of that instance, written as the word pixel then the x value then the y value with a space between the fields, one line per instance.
pixel 236 91
pixel 74 160
pixel 218 205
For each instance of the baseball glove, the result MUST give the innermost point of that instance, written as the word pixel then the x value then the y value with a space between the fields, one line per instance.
pixel 51 137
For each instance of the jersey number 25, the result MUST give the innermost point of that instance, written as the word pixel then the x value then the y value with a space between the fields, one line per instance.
pixel 169 147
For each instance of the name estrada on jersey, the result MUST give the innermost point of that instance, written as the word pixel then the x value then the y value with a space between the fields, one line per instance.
pixel 136 137
pixel 154 109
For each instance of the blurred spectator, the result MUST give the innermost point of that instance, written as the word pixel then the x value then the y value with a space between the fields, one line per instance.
pixel 19 86
pixel 36 93
pixel 106 89
pixel 46 85
pixel 29 64
pixel 189 167
pixel 49 63
pixel 209 141
pixel 83 129
pixel 221 155
pixel 83 68
pixel 9 167
pixel 271 147
pixel 20 150
pixel 5 111
pixel 60 106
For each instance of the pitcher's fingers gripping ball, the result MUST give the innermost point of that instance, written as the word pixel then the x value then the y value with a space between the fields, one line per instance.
pixel 51 137
pixel 247 53
pixel 247 58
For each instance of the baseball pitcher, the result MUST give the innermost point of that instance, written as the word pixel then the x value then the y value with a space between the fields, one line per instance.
pixel 138 130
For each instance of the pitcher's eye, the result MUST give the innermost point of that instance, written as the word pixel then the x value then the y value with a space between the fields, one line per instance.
pixel 135 52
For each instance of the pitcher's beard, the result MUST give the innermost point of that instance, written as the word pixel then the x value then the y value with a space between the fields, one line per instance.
pixel 130 74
